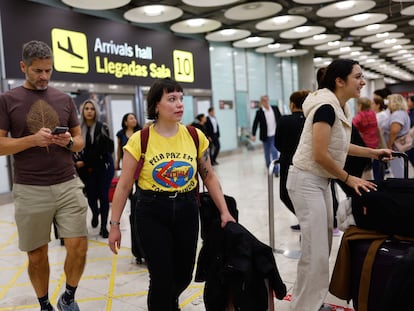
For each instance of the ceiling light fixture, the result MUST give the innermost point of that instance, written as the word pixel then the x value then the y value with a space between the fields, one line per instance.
pixel 382 35
pixel 253 39
pixel 345 5
pixel 360 17
pixel 274 46
pixel 390 41
pixel 153 10
pixel 195 22
pixel 280 20
pixel 302 29
pixel 319 37
pixel 372 27
pixel 227 32
pixel 252 6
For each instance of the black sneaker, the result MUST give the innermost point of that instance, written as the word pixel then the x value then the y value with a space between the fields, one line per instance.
pixel 94 221
pixel 104 233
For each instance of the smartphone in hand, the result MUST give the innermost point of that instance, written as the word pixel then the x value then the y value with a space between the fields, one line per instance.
pixel 60 130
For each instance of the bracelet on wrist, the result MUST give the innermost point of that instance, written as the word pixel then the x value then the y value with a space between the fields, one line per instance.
pixel 346 179
pixel 114 223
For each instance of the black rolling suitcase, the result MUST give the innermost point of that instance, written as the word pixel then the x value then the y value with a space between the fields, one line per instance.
pixel 389 211
pixel 386 259
pixel 400 286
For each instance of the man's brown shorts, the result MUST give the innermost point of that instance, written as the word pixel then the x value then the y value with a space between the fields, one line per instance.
pixel 37 207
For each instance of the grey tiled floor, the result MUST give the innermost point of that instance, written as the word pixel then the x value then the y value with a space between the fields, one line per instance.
pixel 117 283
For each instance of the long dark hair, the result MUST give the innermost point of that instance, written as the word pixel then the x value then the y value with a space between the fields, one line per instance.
pixel 339 68
pixel 125 117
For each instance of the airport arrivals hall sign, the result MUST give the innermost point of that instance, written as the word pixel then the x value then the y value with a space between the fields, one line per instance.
pixel 95 50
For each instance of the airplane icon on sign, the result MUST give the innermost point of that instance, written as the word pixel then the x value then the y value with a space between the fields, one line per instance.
pixel 69 49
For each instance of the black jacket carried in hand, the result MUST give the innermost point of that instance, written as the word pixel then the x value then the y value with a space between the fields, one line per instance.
pixel 233 263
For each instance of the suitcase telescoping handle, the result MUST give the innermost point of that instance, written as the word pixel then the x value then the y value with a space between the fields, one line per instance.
pixel 395 154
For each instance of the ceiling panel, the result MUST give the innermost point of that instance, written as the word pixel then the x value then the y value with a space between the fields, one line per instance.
pixel 394 16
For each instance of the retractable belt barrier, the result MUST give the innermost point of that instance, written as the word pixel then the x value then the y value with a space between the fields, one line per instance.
pixel 295 254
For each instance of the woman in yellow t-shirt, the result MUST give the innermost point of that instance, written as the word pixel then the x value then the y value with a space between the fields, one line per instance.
pixel 167 205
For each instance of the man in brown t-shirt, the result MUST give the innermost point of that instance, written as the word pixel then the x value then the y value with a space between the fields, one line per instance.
pixel 46 188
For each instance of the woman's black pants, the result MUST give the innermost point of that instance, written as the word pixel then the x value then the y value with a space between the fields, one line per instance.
pixel 168 231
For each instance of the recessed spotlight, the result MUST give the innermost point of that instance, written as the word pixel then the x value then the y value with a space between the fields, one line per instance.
pixel 319 37
pixel 302 29
pixel 252 6
pixel 195 22
pixel 333 43
pixel 280 20
pixel 345 5
pixel 360 17
pixel 382 35
pixel 153 10
pixel 390 41
pixel 372 27
pixel 228 32
pixel 253 39
pixel 274 46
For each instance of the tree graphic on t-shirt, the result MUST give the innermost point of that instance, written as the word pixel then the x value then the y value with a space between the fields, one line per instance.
pixel 40 115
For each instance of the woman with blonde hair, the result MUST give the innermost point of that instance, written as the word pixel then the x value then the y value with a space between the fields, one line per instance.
pixel 96 163
pixel 398 126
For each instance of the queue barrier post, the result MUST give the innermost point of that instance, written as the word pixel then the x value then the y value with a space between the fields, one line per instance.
pixel 294 254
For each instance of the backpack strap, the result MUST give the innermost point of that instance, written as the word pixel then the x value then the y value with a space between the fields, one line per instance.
pixel 144 142
pixel 193 132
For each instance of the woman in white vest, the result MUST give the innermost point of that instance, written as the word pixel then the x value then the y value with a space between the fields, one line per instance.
pixel 320 157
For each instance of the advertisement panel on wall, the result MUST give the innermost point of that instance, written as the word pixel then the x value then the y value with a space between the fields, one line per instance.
pixel 92 49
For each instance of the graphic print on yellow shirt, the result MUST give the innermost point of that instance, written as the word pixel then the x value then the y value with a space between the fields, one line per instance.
pixel 170 163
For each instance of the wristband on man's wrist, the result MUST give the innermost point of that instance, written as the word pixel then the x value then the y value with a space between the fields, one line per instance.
pixel 70 144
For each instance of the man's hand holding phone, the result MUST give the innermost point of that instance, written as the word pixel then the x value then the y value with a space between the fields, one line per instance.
pixel 60 130
pixel 62 140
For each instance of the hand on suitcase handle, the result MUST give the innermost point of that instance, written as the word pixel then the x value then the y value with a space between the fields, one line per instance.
pixel 385 154
pixel 394 154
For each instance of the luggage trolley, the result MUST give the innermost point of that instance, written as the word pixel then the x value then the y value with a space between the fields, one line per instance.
pixel 294 254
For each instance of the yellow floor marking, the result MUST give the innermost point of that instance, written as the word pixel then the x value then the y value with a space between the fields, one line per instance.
pixel 10 284
pixel 111 283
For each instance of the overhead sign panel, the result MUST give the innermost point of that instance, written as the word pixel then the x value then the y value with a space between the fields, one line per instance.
pixel 90 49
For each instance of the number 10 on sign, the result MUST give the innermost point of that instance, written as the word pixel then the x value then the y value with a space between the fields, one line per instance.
pixel 183 66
